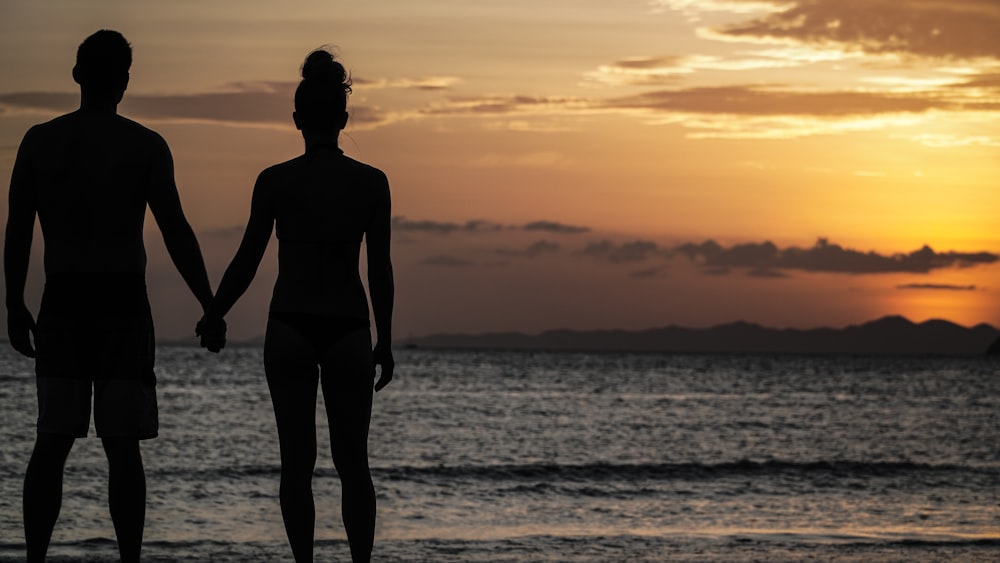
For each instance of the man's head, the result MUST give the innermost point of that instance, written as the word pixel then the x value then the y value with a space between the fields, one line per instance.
pixel 102 63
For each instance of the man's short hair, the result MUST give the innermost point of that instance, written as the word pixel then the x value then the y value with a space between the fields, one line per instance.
pixel 103 61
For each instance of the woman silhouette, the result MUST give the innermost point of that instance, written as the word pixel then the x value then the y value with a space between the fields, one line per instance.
pixel 320 204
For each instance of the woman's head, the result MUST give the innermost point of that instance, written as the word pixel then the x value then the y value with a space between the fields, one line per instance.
pixel 321 98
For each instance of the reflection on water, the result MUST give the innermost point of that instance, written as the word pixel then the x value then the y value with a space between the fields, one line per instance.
pixel 575 455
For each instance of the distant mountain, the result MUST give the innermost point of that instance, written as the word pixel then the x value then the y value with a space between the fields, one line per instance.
pixel 888 335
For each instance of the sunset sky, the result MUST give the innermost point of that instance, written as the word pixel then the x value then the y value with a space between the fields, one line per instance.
pixel 581 163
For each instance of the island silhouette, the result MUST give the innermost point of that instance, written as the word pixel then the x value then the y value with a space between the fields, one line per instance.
pixel 891 335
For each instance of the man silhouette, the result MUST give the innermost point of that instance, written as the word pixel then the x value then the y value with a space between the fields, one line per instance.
pixel 89 176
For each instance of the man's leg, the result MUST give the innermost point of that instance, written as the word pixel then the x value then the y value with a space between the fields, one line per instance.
pixel 126 494
pixel 43 491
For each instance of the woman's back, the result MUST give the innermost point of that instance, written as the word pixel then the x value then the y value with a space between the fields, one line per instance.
pixel 323 204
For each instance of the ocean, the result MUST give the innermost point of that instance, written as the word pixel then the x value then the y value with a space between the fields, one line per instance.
pixel 491 456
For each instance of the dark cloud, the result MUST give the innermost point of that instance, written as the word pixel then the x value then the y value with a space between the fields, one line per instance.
pixel 988 81
pixel 742 100
pixel 553 227
pixel 648 63
pixel 540 247
pixel 627 252
pixel 759 101
pixel 827 257
pixel 481 226
pixel 955 29
pixel 502 105
pixel 251 103
pixel 533 250
pixel 938 286
pixel 447 261
pixel 401 223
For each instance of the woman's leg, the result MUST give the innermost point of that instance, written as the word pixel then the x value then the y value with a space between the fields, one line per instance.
pixel 347 376
pixel 292 377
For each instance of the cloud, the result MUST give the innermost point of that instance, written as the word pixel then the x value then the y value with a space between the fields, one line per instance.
pixel 447 261
pixel 952 29
pixel 553 227
pixel 400 223
pixel 533 250
pixel 937 286
pixel 634 251
pixel 773 111
pixel 827 257
pixel 748 100
pixel 662 70
pixel 937 140
pixel 426 83
pixel 241 103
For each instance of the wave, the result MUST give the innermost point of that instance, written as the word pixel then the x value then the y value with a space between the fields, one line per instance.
pixel 588 548
pixel 682 471
pixel 602 472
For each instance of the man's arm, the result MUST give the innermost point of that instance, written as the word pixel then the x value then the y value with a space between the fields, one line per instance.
pixel 17 249
pixel 178 237
pixel 380 283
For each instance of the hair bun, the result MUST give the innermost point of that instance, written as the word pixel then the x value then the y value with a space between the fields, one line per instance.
pixel 319 65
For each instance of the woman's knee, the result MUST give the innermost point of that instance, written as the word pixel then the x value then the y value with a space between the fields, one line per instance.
pixel 298 460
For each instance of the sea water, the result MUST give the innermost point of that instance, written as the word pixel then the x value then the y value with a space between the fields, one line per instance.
pixel 529 456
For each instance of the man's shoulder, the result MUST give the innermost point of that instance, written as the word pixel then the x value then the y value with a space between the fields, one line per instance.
pixel 139 131
pixel 123 127
pixel 53 127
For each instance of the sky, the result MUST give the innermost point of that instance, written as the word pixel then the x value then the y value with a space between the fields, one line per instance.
pixel 580 164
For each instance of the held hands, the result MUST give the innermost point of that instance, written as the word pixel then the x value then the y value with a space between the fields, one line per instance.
pixel 212 331
pixel 21 330
pixel 383 357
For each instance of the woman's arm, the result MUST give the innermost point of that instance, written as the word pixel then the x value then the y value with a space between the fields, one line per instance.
pixel 243 267
pixel 380 282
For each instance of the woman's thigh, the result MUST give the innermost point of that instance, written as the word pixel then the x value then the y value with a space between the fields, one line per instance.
pixel 348 374
pixel 292 378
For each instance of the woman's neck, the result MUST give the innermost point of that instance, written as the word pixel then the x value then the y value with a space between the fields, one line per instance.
pixel 314 141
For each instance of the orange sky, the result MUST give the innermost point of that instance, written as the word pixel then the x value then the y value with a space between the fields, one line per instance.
pixel 563 163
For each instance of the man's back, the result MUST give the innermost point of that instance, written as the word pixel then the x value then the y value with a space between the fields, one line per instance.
pixel 88 176
pixel 91 175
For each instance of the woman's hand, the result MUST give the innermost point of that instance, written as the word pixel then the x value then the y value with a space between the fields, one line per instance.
pixel 383 357
pixel 212 331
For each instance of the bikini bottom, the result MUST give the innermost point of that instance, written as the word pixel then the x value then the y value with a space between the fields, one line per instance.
pixel 322 332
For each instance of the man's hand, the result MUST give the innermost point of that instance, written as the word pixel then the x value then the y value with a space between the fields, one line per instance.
pixel 383 357
pixel 212 332
pixel 21 329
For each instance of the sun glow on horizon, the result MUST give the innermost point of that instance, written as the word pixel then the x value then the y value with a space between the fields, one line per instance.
pixel 618 132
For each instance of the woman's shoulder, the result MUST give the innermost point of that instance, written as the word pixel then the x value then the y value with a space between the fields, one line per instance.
pixel 363 168
pixel 282 168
